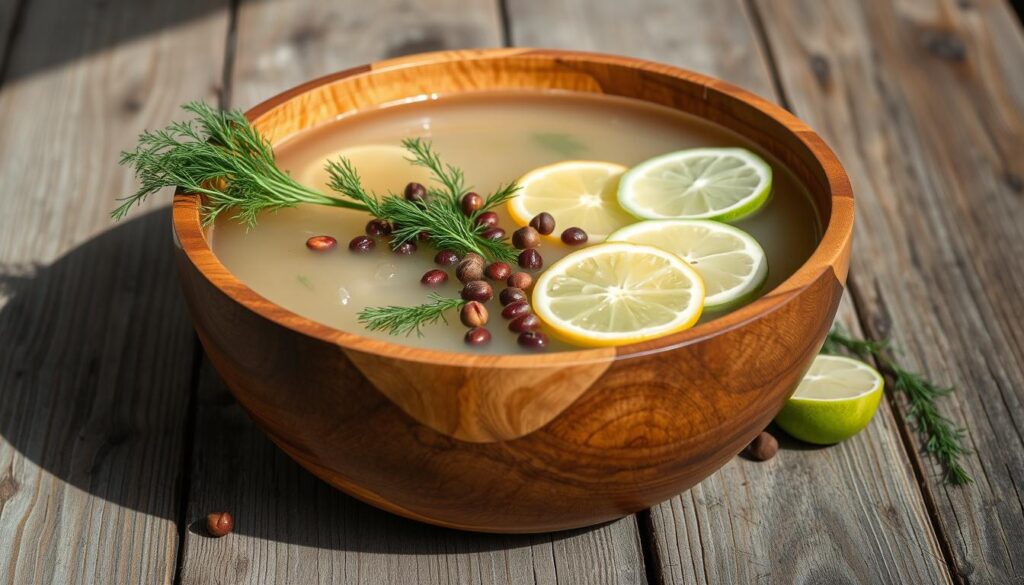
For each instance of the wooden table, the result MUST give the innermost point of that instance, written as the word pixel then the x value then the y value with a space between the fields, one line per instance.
pixel 116 437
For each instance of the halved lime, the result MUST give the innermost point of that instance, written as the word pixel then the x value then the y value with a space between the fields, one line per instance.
pixel 617 293
pixel 731 262
pixel 835 400
pixel 724 184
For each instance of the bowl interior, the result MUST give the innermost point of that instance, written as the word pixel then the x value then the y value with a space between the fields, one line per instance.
pixel 422 76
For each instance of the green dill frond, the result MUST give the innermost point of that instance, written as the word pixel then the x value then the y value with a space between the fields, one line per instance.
pixel 943 439
pixel 448 176
pixel 346 181
pixel 221 156
pixel 398 320
pixel 500 196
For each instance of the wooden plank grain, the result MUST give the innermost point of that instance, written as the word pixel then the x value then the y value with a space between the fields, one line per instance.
pixel 96 351
pixel 846 513
pixel 290 527
pixel 924 101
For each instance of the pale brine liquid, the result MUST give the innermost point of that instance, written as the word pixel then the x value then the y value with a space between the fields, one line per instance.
pixel 495 137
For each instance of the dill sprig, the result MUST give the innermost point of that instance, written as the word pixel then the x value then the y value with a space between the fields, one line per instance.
pixel 221 156
pixel 398 320
pixel 448 228
pixel 346 181
pixel 451 178
pixel 499 197
pixel 943 439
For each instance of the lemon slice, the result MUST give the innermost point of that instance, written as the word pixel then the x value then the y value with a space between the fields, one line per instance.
pixel 730 262
pixel 702 183
pixel 835 400
pixel 617 293
pixel 376 163
pixel 577 193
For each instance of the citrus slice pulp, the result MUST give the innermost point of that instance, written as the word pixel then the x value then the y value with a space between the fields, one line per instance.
pixel 731 263
pixel 835 400
pixel 618 293
pixel 725 184
pixel 577 193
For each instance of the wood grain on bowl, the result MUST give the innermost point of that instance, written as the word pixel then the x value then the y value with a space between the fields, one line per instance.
pixel 522 443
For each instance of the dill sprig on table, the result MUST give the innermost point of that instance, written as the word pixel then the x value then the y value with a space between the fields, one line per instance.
pixel 221 156
pixel 399 320
pixel 944 439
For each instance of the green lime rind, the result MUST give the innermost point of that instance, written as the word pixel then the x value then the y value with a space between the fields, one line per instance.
pixel 744 207
pixel 828 421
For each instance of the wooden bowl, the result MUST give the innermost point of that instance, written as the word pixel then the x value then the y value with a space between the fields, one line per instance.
pixel 517 443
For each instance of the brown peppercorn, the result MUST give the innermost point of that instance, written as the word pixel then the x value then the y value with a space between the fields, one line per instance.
pixel 469 270
pixel 473 314
pixel 219 524
pixel 494 233
pixel 511 295
pixel 415 192
pixel 487 219
pixel 446 258
pixel 423 236
pixel 534 340
pixel 523 323
pixel 515 309
pixel 531 259
pixel 477 290
pixel 520 280
pixel 763 447
pixel 525 237
pixel 477 336
pixel 474 257
pixel 434 278
pixel 378 228
pixel 498 271
pixel 405 248
pixel 321 243
pixel 543 222
pixel 574 236
pixel 361 244
pixel 471 203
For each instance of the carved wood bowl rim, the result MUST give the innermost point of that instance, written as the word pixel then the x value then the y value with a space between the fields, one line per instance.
pixel 828 255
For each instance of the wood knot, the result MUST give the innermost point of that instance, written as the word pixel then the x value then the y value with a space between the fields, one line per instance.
pixel 425 42
pixel 132 104
pixel 946 46
pixel 1014 182
pixel 821 69
pixel 8 487
pixel 306 35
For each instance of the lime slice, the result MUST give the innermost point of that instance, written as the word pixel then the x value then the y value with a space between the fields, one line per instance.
pixel 835 400
pixel 617 293
pixel 577 193
pixel 730 262
pixel 725 184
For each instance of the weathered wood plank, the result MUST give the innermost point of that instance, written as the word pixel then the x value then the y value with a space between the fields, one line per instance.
pixel 290 527
pixel 851 511
pixel 924 101
pixel 96 351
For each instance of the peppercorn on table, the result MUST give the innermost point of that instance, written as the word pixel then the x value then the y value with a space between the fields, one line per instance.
pixel 117 439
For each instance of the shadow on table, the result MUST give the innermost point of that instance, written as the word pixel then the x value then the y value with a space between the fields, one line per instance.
pixel 98 363
pixel 239 469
